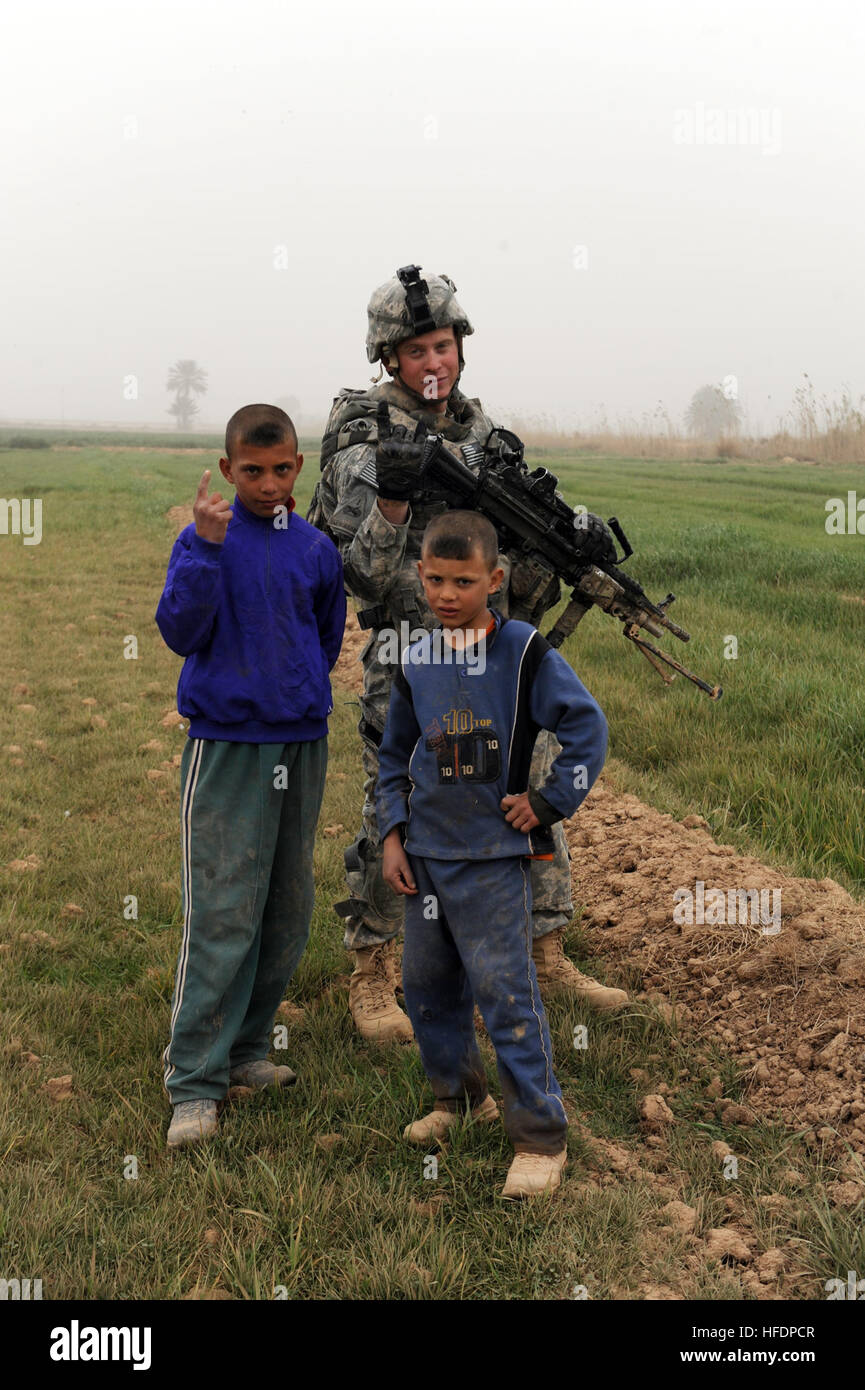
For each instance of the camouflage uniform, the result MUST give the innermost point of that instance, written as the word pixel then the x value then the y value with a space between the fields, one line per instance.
pixel 380 561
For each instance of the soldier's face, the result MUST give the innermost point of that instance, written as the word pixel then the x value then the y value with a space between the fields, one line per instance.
pixel 457 590
pixel 264 477
pixel 430 365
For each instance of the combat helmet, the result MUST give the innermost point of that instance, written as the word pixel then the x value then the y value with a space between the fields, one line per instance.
pixel 407 306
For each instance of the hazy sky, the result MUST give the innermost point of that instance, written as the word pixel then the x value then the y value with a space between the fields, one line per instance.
pixel 633 198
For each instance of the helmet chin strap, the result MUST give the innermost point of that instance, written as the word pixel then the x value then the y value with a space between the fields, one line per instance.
pixel 423 400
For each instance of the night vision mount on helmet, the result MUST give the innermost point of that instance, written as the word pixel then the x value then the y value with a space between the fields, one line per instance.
pixel 407 306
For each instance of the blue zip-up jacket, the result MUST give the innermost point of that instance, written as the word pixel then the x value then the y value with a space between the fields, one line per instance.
pixel 260 620
pixel 456 742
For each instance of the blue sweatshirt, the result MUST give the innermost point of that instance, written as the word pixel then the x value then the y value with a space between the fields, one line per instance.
pixel 457 740
pixel 260 620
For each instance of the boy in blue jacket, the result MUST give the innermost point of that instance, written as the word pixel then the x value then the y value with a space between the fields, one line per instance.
pixel 459 828
pixel 254 600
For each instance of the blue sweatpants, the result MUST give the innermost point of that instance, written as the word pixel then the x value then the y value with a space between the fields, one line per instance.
pixel 468 938
pixel 248 894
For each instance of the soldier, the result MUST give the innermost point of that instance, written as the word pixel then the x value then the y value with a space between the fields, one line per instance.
pixel 369 500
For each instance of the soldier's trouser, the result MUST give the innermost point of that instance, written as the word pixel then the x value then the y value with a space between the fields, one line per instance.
pixel 246 866
pixel 455 957
pixel 376 912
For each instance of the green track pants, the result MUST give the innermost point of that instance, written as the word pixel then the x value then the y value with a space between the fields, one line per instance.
pixel 248 815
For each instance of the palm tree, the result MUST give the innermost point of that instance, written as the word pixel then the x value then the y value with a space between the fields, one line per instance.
pixel 185 378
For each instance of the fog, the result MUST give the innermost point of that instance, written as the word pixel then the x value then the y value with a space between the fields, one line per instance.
pixel 632 199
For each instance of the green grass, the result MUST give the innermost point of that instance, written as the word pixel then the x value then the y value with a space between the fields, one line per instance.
pixel 355 1217
pixel 60 436
pixel 777 766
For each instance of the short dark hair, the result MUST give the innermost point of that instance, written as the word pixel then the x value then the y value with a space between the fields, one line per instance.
pixel 454 535
pixel 259 426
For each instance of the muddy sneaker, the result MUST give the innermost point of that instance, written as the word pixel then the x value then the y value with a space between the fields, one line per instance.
pixel 371 996
pixel 192 1121
pixel 259 1075
pixel 533 1173
pixel 436 1124
pixel 556 973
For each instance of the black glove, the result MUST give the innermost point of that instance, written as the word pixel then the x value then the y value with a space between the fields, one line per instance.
pixel 594 538
pixel 398 458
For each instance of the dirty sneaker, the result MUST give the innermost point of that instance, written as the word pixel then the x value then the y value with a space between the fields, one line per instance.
pixel 192 1121
pixel 259 1075
pixel 436 1124
pixel 532 1173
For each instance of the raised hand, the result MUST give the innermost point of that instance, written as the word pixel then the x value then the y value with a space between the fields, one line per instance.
pixel 212 514
pixel 398 458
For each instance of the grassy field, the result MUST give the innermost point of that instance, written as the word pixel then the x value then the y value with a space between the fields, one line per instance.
pixel 35 437
pixel 313 1192
pixel 778 765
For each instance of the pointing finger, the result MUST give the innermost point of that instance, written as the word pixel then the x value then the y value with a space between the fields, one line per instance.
pixel 202 486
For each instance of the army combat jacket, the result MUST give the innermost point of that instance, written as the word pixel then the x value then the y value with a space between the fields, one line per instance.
pixel 379 558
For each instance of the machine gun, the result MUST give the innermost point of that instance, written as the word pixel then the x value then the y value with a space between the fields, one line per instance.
pixel 533 520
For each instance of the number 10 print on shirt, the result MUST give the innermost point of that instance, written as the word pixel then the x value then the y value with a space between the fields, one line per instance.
pixel 466 749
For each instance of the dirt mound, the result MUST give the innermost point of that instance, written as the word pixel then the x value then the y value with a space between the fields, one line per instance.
pixel 785 993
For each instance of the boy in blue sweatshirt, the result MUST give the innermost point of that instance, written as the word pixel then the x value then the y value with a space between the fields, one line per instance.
pixel 254 600
pixel 459 827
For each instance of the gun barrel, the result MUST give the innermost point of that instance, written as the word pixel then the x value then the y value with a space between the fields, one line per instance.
pixel 677 631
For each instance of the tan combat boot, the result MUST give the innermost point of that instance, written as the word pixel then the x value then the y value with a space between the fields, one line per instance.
pixel 532 1173
pixel 436 1124
pixel 371 996
pixel 557 973
pixel 394 964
